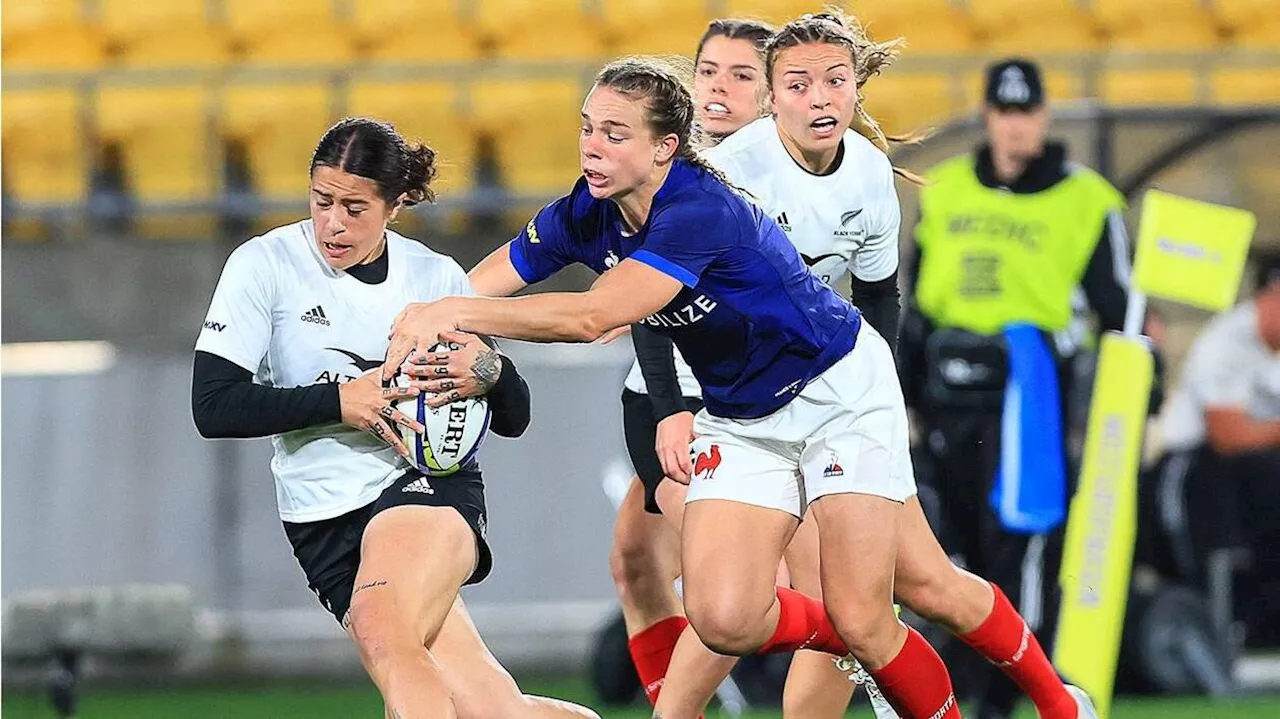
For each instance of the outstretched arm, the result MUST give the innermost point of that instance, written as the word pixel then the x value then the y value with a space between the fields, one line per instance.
pixel 495 276
pixel 626 294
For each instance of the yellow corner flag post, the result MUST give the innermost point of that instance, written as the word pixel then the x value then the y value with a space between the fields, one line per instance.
pixel 1190 252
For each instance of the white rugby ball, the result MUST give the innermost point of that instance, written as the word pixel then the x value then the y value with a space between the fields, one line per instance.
pixel 453 434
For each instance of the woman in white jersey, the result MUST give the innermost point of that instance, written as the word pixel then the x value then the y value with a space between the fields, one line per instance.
pixel 661 392
pixel 290 349
pixel 831 190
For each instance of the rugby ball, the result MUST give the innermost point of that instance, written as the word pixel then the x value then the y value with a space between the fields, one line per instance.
pixel 453 434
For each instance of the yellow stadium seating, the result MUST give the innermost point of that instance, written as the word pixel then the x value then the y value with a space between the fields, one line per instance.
pixel 45 160
pixel 905 102
pixel 1253 24
pixel 928 26
pixel 277 33
pixel 163 133
pixel 175 33
pixel 538 30
pixel 49 35
pixel 1042 26
pixel 649 27
pixel 535 126
pixel 1149 87
pixel 429 112
pixel 280 126
pixel 415 31
pixel 1247 86
pixel 1165 25
pixel 777 12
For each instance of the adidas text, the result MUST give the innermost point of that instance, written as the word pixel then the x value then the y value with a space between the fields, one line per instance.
pixel 315 315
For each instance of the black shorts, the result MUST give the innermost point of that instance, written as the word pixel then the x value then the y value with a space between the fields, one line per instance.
pixel 329 550
pixel 640 428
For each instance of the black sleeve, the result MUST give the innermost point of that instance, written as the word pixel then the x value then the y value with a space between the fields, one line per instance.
pixel 913 335
pixel 226 403
pixel 510 402
pixel 879 302
pixel 1107 296
pixel 656 355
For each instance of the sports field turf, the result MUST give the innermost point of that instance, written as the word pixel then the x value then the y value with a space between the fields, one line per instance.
pixel 302 701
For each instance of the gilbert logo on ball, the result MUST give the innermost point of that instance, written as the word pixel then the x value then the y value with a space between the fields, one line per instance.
pixel 454 432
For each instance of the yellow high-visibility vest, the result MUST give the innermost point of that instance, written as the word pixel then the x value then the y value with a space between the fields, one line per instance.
pixel 990 258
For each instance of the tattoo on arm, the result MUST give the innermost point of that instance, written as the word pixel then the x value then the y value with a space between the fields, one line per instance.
pixel 486 369
pixel 370 585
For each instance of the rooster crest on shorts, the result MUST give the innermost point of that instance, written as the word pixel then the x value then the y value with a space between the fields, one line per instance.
pixel 707 462
pixel 833 467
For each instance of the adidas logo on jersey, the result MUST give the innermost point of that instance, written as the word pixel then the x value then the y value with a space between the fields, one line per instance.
pixel 782 221
pixel 419 485
pixel 315 315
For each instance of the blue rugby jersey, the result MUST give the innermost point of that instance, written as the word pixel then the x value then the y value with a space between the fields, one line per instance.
pixel 754 324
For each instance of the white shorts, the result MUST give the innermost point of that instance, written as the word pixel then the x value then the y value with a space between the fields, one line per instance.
pixel 846 432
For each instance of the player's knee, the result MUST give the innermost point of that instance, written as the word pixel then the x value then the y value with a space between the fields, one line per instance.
pixel 727 627
pixel 633 560
pixel 928 595
pixel 865 628
pixel 377 634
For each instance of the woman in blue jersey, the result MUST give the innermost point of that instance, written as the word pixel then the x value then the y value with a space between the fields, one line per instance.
pixel 661 396
pixel 801 395
pixel 834 190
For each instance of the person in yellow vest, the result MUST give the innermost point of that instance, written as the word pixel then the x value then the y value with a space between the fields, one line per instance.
pixel 1009 238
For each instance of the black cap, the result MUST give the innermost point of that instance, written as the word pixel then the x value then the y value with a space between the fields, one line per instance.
pixel 1014 84
pixel 1268 266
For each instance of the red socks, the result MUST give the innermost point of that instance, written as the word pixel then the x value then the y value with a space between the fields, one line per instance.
pixel 916 683
pixel 1005 640
pixel 651 651
pixel 803 624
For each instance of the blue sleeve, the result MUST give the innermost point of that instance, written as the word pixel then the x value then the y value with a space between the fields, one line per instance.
pixel 684 237
pixel 544 246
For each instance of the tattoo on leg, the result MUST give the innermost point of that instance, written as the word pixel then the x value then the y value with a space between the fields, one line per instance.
pixel 486 369
pixel 370 585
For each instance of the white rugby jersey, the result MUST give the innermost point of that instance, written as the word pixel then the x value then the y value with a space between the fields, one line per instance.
pixel 1229 365
pixel 844 222
pixel 282 313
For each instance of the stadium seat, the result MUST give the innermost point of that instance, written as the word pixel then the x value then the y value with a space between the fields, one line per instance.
pixel 1043 26
pixel 45 160
pixel 163 133
pixel 415 31
pixel 175 33
pixel 1253 24
pixel 777 12
pixel 535 127
pixel 928 26
pixel 1164 25
pixel 1247 86
pixel 1150 87
pixel 49 35
pixel 279 126
pixel 429 112
pixel 275 33
pixel 536 30
pixel 906 102
pixel 649 27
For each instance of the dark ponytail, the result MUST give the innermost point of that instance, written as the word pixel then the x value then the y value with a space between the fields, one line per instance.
pixel 375 151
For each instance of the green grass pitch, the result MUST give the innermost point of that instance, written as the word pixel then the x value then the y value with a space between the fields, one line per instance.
pixel 327 701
